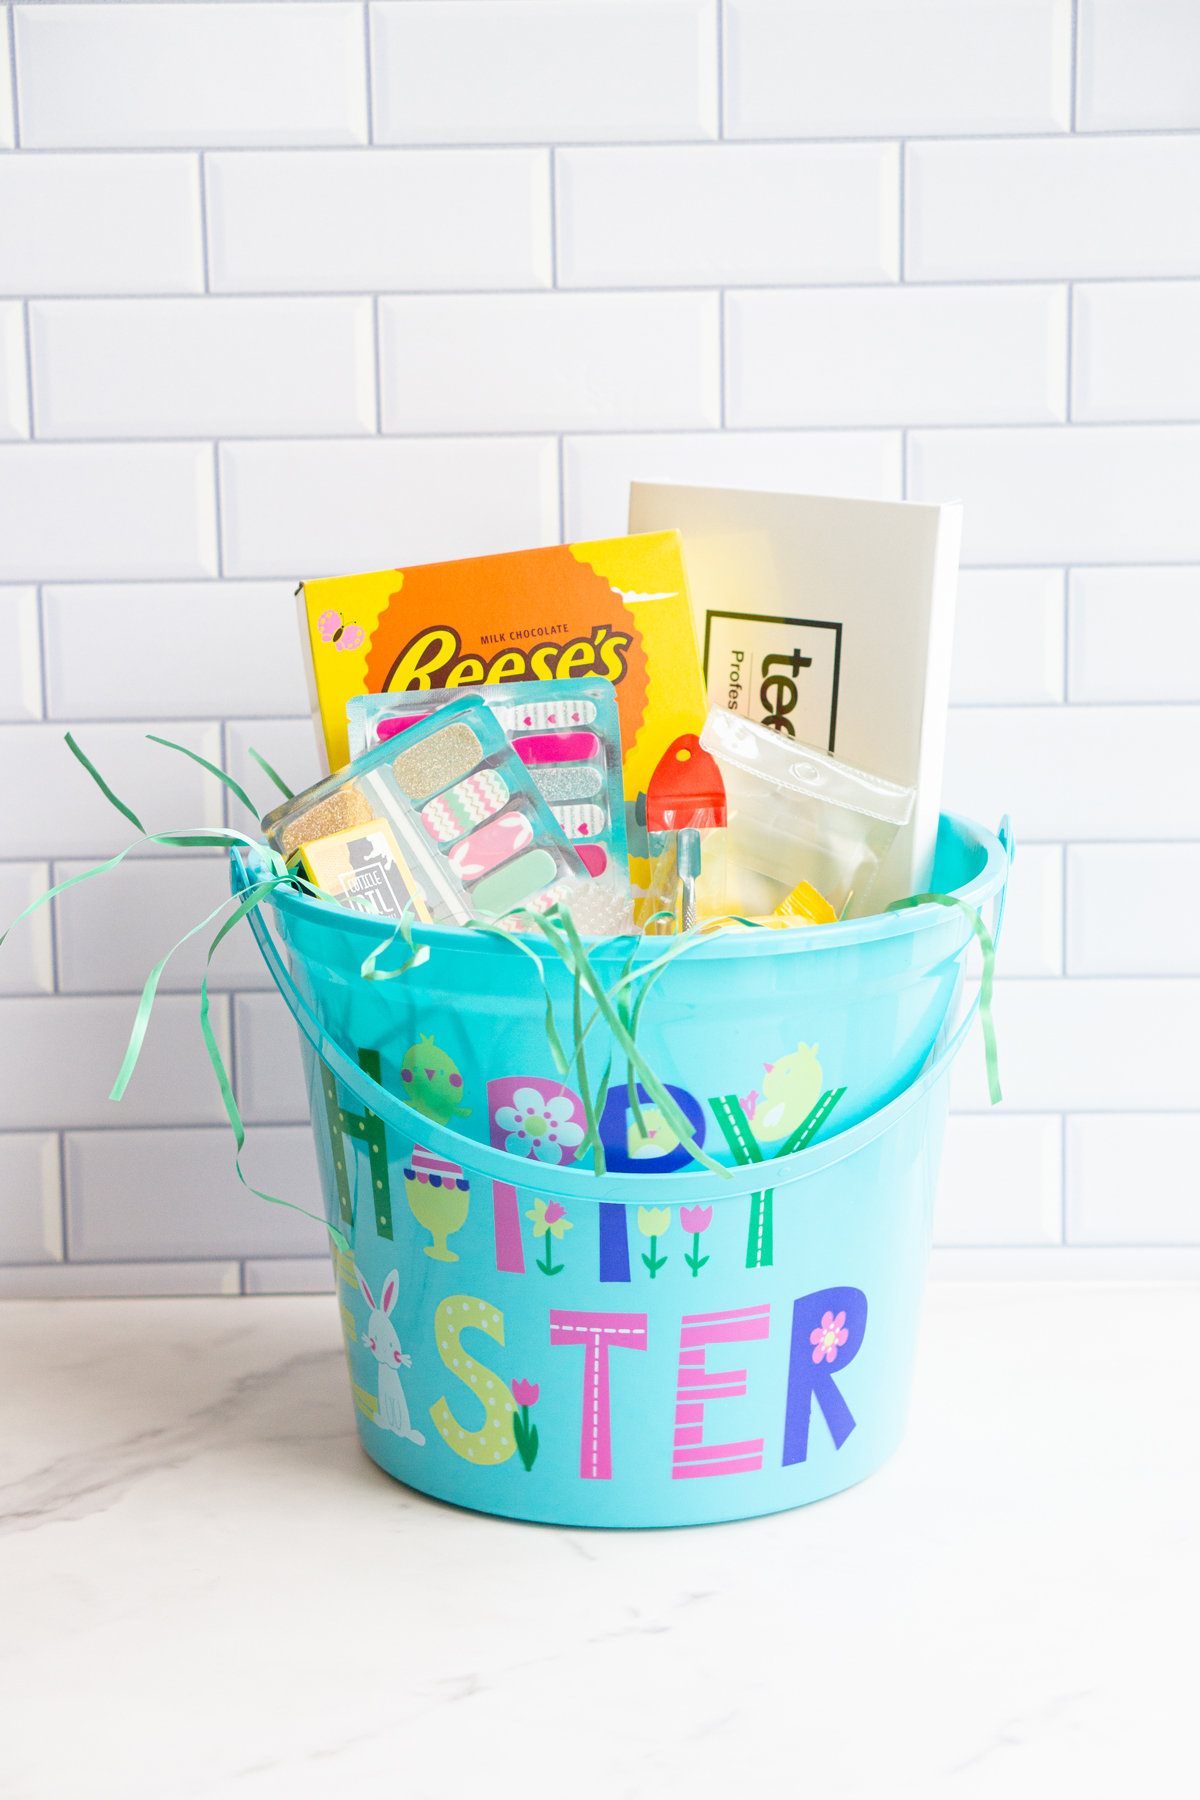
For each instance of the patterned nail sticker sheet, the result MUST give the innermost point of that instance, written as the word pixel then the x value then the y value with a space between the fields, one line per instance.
pixel 464 806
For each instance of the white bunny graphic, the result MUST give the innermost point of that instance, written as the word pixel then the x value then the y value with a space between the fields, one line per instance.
pixel 380 1338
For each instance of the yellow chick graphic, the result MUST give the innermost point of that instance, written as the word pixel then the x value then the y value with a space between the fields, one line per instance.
pixel 659 1140
pixel 791 1088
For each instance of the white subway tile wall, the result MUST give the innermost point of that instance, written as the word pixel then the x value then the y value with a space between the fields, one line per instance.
pixel 315 221
pixel 328 507
pixel 536 71
pixel 14 379
pixel 896 355
pixel 713 214
pixel 290 289
pixel 21 664
pixel 27 966
pixel 250 73
pixel 31 1212
pixel 189 368
pixel 908 68
pixel 1137 65
pixel 101 224
pixel 534 362
pixel 1135 634
pixel 1135 348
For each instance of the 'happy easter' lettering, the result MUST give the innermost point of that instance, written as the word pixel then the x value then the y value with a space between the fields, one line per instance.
pixel 596 1333
pixel 491 1441
pixel 698 1385
pixel 830 1320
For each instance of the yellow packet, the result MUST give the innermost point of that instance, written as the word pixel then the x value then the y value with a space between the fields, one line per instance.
pixel 804 906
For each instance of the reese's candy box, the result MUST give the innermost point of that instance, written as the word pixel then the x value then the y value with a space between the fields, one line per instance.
pixel 619 608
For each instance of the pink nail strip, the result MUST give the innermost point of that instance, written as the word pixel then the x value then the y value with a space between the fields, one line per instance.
pixel 557 747
pixel 488 848
pixel 390 728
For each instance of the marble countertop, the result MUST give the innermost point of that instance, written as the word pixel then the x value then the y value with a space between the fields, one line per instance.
pixel 207 1589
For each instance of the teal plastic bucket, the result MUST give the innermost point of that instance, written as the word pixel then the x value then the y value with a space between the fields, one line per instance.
pixel 645 1347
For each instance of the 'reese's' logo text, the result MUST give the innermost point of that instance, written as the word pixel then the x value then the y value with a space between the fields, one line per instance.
pixel 433 659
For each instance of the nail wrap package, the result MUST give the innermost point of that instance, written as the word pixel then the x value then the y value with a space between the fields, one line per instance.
pixel 446 814
pixel 567 734
pixel 795 814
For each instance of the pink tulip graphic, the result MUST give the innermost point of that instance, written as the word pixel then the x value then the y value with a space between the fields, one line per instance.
pixel 695 1219
pixel 549 1221
pixel 525 1394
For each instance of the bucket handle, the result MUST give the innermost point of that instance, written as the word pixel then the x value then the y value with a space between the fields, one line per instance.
pixel 579 1184
pixel 1009 844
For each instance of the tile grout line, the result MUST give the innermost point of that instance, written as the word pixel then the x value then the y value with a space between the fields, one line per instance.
pixel 378 365
pixel 452 146
pixel 628 289
pixel 56 973
pixel 43 674
pixel 218 510
pixel 202 177
pixel 1062 1180
pixel 63 1210
pixel 720 71
pixel 27 327
pixel 234 1059
pixel 902 254
pixel 1041 707
pixel 562 491
pixel 226 796
pixel 722 311
pixel 369 71
pixel 1070 393
pixel 553 155
pixel 1074 65
pixel 14 88
pixel 79 586
pixel 458 434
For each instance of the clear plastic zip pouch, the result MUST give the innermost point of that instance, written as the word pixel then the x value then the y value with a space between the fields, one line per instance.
pixel 796 814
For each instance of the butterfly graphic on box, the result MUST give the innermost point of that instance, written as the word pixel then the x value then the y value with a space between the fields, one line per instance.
pixel 342 637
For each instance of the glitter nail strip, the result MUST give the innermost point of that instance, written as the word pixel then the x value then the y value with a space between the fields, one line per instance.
pixel 464 806
pixel 438 762
pixel 562 787
pixel 337 812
